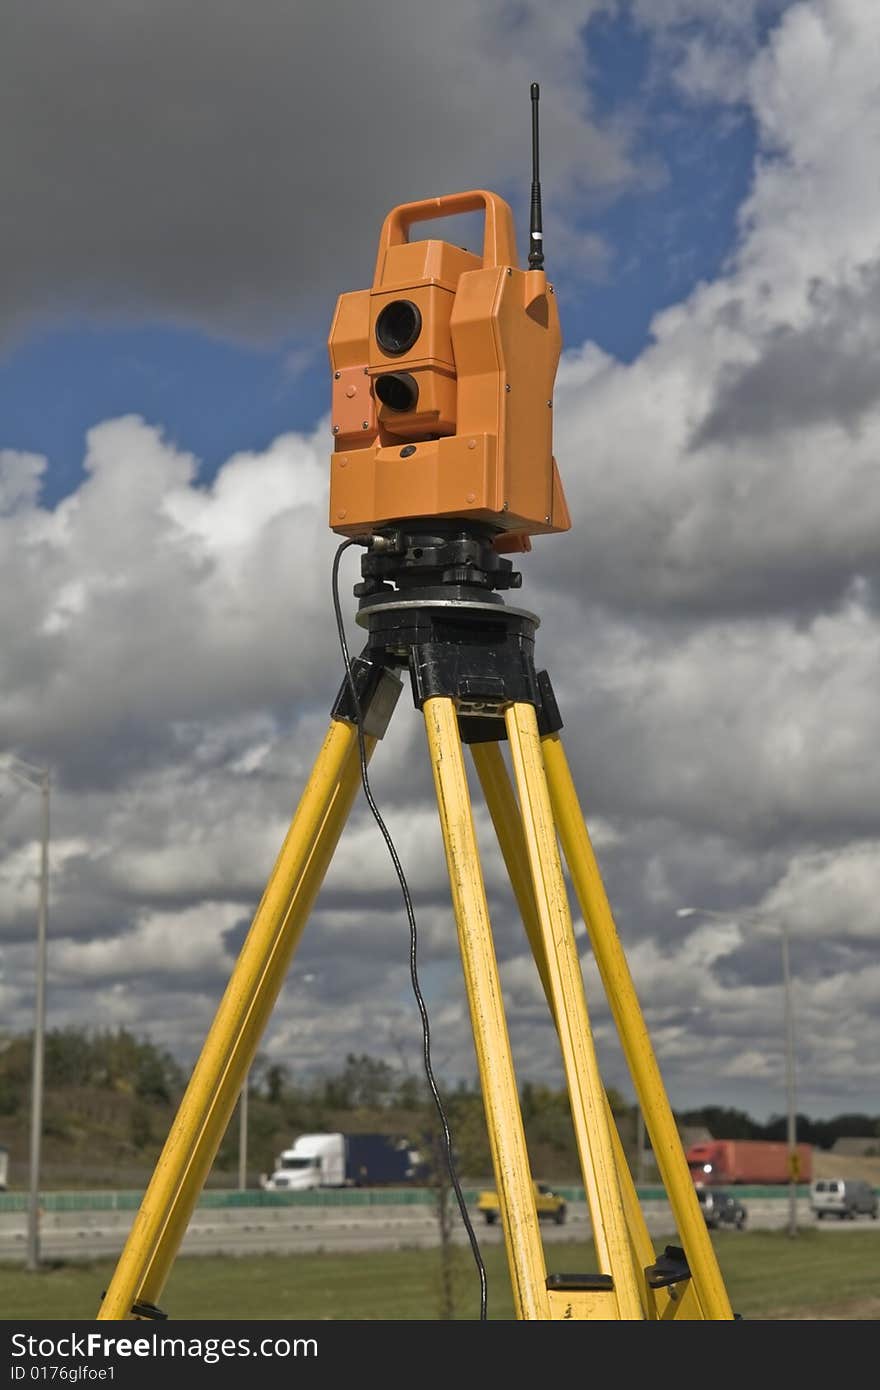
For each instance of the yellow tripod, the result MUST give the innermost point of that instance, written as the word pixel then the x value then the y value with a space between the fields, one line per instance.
pixel 470 664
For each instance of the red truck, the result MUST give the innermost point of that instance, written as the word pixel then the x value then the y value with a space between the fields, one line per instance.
pixel 720 1162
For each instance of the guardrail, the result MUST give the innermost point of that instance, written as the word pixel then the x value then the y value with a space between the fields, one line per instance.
pixel 320 1197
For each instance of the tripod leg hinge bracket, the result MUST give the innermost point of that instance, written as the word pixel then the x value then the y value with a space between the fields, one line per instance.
pixel 377 688
pixel 549 718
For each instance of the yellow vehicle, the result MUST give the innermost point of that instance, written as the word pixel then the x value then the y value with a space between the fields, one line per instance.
pixel 548 1204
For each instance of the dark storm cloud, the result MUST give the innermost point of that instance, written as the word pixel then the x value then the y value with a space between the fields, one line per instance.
pixel 825 371
pixel 230 166
pixel 759 962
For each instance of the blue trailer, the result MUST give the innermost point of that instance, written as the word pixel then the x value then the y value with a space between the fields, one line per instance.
pixel 374 1159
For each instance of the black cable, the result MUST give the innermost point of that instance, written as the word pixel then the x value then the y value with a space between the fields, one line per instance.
pixel 413 935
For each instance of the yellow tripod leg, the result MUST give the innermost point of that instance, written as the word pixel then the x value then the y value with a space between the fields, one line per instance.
pixel 669 1301
pixel 586 1092
pixel 501 801
pixel 617 981
pixel 525 1253
pixel 244 1010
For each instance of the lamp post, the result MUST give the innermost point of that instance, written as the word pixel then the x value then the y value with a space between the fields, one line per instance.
pixel 791 1122
pixel 38 778
pixel 243 1117
pixel 791 1106
pixel 243 1134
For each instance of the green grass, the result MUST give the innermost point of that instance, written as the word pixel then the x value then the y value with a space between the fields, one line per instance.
pixel 767 1274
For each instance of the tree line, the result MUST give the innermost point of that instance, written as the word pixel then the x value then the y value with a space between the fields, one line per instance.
pixel 80 1057
pixel 365 1093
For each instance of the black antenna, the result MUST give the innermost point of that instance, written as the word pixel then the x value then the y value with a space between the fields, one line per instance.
pixel 536 231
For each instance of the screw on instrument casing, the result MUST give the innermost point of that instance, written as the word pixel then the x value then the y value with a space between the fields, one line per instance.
pixel 507 387
pixel 335 429
pixel 365 424
pixel 337 375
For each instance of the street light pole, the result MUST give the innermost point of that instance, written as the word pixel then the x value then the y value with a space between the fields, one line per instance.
pixel 243 1135
pixel 38 778
pixel 791 1110
pixel 791 1127
pixel 33 1245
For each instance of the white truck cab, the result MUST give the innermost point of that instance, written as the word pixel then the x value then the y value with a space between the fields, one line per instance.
pixel 314 1160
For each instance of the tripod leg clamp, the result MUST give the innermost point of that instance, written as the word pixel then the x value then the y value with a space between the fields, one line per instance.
pixel 377 688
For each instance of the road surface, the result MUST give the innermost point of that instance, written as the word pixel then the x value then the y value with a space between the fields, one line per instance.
pixel 87 1235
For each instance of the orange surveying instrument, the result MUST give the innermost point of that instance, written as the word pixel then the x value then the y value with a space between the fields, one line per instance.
pixel 442 408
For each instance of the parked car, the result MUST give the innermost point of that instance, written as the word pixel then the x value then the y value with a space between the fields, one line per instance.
pixel 721 1208
pixel 845 1198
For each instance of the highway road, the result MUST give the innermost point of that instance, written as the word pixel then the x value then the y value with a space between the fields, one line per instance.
pixel 301 1230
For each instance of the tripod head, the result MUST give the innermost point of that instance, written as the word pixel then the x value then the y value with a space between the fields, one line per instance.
pixel 443 375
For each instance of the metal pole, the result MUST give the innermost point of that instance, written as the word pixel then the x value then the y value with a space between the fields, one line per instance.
pixel 33 1223
pixel 791 1128
pixel 243 1136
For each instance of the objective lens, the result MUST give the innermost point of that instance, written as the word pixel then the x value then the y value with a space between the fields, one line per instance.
pixel 397 390
pixel 398 326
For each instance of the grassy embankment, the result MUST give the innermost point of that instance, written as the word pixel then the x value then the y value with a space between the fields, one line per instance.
pixel 768 1276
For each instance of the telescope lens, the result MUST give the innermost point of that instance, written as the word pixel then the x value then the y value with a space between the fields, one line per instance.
pixel 398 326
pixel 397 390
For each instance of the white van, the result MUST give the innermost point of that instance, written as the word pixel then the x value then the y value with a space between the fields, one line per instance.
pixel 845 1198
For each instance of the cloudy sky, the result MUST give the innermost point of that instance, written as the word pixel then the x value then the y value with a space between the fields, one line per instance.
pixel 188 188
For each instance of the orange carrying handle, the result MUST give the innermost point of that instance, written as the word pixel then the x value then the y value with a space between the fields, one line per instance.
pixel 499 238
